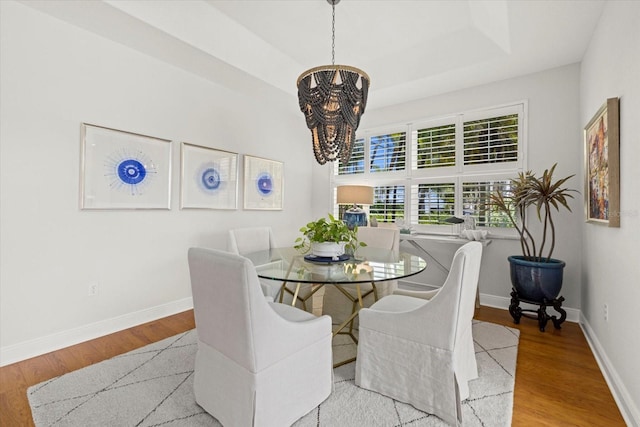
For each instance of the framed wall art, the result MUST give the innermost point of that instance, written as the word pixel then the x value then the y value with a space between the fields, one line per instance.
pixel 263 183
pixel 209 178
pixel 124 170
pixel 602 165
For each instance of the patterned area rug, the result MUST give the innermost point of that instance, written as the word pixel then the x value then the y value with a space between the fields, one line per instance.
pixel 153 386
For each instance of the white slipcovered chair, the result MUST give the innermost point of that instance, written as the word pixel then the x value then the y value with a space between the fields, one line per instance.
pixel 340 303
pixel 243 241
pixel 258 363
pixel 420 351
pixel 426 294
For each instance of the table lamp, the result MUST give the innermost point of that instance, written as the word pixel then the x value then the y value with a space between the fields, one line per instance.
pixel 356 195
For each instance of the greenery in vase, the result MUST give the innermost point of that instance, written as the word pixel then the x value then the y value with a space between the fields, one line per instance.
pixel 543 193
pixel 328 230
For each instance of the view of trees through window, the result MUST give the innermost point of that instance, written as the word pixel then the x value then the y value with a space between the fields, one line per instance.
pixel 447 167
pixel 491 140
pixel 388 203
pixel 435 202
pixel 387 152
pixel 436 147
pixel 477 203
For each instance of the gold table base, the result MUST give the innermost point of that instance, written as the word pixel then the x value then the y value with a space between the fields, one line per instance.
pixel 356 301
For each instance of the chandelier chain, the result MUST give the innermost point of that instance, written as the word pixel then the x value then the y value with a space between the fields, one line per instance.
pixel 333 33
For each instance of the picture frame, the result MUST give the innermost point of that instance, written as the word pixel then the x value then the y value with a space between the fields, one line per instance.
pixel 123 170
pixel 263 183
pixel 209 178
pixel 602 165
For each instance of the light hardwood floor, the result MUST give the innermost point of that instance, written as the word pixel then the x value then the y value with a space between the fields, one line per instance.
pixel 558 382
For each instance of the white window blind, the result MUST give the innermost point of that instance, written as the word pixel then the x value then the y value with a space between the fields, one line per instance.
pixel 432 203
pixel 356 161
pixel 388 203
pixel 476 202
pixel 435 147
pixel 388 152
pixel 491 140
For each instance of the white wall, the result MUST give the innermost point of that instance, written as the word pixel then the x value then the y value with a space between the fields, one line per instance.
pixel 554 135
pixel 611 68
pixel 55 76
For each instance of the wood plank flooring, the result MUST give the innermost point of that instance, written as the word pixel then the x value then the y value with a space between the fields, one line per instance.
pixel 558 382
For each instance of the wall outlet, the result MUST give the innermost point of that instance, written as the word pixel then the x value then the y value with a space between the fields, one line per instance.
pixel 93 289
pixel 606 313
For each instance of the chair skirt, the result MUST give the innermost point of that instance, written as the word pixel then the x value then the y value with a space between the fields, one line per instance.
pixel 388 365
pixel 276 396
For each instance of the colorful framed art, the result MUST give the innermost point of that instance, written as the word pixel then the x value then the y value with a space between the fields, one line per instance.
pixel 602 165
pixel 263 183
pixel 124 170
pixel 209 178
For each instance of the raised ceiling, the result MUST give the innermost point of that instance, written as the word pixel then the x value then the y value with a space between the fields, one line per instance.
pixel 410 48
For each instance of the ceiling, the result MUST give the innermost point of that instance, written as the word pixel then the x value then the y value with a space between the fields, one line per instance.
pixel 411 49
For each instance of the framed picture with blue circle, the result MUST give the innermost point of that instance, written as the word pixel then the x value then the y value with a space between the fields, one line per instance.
pixel 263 183
pixel 124 170
pixel 209 178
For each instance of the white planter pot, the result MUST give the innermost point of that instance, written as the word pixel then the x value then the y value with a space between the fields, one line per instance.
pixel 327 249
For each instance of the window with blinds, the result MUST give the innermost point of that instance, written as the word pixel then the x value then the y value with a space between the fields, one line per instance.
pixel 491 140
pixel 388 203
pixel 435 147
pixel 433 202
pixel 452 166
pixel 476 201
pixel 356 161
pixel 387 152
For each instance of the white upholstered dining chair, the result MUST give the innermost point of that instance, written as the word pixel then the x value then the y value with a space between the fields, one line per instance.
pixel 243 241
pixel 420 351
pixel 258 363
pixel 339 304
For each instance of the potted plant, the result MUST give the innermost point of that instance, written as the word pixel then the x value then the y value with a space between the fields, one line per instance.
pixel 535 275
pixel 328 237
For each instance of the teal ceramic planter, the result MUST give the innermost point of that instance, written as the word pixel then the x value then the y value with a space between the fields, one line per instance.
pixel 536 281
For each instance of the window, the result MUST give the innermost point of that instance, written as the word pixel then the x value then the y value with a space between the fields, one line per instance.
pixel 491 140
pixel 387 152
pixel 436 147
pixel 434 169
pixel 388 203
pixel 434 202
pixel 356 162
pixel 476 202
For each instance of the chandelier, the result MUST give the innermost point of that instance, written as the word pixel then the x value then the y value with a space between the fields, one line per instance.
pixel 333 98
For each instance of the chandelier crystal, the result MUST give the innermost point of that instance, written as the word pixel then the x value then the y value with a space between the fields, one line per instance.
pixel 333 98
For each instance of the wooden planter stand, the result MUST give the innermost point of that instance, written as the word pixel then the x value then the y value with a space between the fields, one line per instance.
pixel 517 312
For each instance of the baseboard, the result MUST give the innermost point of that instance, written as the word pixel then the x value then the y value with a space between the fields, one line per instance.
pixel 628 409
pixel 28 349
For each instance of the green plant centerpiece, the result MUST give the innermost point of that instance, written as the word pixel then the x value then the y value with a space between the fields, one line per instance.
pixel 536 277
pixel 328 237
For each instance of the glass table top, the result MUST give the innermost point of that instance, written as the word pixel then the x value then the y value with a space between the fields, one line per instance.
pixel 368 265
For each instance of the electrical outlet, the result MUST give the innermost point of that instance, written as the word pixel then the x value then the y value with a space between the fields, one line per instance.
pixel 606 313
pixel 93 289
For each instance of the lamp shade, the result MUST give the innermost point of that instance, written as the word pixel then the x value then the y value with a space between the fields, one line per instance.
pixel 355 194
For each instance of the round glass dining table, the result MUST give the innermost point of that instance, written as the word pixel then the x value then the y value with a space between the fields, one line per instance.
pixel 368 265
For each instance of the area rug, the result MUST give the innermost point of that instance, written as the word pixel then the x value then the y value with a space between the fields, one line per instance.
pixel 153 386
